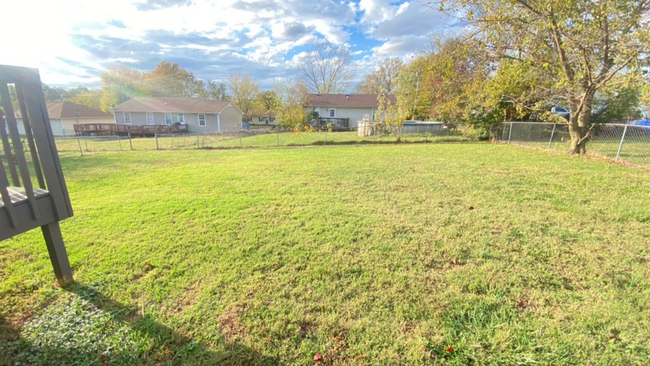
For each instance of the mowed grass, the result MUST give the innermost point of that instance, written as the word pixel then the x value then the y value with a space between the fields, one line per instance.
pixel 386 254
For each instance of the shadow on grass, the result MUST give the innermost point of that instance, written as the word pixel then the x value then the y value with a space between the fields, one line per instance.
pixel 89 328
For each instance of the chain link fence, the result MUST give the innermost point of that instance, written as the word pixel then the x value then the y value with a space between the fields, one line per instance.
pixel 619 142
pixel 255 138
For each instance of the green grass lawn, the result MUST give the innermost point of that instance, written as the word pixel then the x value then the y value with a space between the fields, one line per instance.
pixel 364 254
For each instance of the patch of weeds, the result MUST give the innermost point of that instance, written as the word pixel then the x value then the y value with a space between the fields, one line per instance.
pixel 72 331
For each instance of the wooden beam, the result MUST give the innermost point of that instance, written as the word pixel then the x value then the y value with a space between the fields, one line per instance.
pixel 58 254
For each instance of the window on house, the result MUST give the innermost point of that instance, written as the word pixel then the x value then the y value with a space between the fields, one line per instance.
pixel 168 119
pixel 150 120
pixel 202 122
pixel 179 118
pixel 127 118
pixel 332 113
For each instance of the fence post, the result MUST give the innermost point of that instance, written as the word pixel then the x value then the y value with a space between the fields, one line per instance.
pixel 620 147
pixel 157 146
pixel 426 136
pixel 119 140
pixel 80 149
pixel 130 141
pixel 198 145
pixel 510 133
pixel 277 137
pixel 86 143
pixel 325 142
pixel 552 134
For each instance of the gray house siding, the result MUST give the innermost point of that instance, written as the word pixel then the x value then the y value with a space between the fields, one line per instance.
pixel 230 120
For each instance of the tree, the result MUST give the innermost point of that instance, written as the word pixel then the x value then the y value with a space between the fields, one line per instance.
pixel 391 112
pixel 445 84
pixel 91 98
pixel 326 69
pixel 384 77
pixel 267 103
pixel 291 98
pixel 59 94
pixel 243 91
pixel 170 80
pixel 619 106
pixel 166 80
pixel 581 45
pixel 217 90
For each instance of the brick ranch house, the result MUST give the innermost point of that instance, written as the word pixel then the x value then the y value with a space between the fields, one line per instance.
pixel 199 115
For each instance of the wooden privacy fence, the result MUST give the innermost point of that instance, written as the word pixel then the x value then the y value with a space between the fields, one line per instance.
pixel 32 188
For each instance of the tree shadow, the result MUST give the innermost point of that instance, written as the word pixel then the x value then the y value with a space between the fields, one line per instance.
pixel 126 328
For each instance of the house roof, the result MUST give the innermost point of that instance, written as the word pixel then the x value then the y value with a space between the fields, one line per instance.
pixel 345 100
pixel 68 110
pixel 172 105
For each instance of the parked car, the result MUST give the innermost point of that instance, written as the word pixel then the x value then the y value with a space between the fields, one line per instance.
pixel 561 112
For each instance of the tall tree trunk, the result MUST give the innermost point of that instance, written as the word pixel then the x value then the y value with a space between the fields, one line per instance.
pixel 579 124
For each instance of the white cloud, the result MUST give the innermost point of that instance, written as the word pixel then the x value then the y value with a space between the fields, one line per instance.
pixel 72 41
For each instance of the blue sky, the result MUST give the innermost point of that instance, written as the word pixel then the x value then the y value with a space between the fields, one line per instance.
pixel 73 41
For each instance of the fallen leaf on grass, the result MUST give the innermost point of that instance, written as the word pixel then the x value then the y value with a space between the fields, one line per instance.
pixel 611 336
pixel 450 349
pixel 522 304
pixel 318 358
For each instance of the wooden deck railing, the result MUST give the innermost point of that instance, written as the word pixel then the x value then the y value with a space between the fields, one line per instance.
pixel 110 128
pixel 25 204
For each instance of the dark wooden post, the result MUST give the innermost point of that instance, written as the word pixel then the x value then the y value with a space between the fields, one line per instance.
pixel 58 254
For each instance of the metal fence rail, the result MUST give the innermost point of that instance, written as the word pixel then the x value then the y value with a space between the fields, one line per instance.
pixel 619 142
pixel 256 138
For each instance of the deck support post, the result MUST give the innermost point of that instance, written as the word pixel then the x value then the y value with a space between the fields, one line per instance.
pixel 130 141
pixel 58 254
pixel 157 146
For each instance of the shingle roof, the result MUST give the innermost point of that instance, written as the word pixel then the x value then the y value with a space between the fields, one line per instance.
pixel 345 100
pixel 172 105
pixel 68 110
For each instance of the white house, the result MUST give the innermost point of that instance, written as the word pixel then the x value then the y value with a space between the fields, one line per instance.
pixel 343 110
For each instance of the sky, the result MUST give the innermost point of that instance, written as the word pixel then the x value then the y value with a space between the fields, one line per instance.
pixel 72 42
